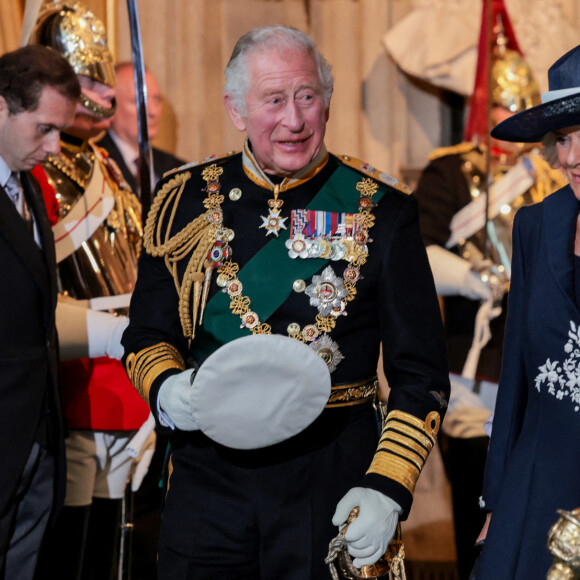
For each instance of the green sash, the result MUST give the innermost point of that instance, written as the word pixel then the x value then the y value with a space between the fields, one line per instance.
pixel 220 325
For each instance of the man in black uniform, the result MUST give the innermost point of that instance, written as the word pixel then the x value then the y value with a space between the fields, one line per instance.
pixel 268 282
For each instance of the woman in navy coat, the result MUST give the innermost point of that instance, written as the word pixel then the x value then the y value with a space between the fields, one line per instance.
pixel 533 467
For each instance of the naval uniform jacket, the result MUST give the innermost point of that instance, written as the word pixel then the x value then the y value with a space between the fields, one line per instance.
pixel 395 305
pixel 30 408
pixel 533 466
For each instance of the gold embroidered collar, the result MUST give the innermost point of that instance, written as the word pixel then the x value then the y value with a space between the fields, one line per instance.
pixel 257 175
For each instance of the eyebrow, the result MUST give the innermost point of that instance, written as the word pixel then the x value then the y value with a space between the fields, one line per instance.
pixel 52 126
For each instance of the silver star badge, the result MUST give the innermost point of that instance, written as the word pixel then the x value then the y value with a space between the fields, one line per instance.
pixel 326 291
pixel 327 349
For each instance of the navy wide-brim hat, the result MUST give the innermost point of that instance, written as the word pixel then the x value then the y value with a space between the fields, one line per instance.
pixel 560 106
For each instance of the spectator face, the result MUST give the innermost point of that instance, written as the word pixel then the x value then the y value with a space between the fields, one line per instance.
pixel 286 115
pixel 28 137
pixel 124 122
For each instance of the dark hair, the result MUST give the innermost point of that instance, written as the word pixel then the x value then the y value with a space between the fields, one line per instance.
pixel 26 71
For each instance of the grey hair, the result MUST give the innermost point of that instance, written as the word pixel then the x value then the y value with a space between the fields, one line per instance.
pixel 549 151
pixel 237 74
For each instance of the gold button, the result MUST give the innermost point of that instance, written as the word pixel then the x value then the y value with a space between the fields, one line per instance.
pixel 235 193
pixel 299 286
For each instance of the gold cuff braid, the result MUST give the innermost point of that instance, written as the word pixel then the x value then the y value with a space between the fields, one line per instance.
pixel 145 366
pixel 405 444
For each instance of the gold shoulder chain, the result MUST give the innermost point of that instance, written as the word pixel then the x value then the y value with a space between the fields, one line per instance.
pixel 197 238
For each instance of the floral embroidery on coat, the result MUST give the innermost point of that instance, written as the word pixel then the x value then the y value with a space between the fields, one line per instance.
pixel 563 380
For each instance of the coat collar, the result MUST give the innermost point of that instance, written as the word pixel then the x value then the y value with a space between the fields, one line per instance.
pixel 560 215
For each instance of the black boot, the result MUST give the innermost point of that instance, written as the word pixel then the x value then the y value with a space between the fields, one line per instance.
pixel 101 559
pixel 62 552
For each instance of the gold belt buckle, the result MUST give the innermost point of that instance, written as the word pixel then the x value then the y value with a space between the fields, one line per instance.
pixel 353 393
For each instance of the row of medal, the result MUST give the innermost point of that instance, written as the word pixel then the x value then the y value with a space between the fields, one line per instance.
pixel 328 235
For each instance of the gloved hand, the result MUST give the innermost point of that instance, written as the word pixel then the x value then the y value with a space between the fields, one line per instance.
pixel 370 533
pixel 105 331
pixel 454 275
pixel 174 407
pixel 83 332
pixel 141 447
pixel 143 461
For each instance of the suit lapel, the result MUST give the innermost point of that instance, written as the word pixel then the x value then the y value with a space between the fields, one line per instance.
pixel 36 203
pixel 109 145
pixel 14 229
pixel 560 215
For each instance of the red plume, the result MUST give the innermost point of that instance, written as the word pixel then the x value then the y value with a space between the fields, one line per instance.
pixel 48 193
pixel 477 123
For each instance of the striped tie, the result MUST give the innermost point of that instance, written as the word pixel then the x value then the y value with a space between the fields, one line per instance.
pixel 16 193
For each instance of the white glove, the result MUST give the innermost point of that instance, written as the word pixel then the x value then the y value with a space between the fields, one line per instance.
pixel 481 335
pixel 454 276
pixel 174 407
pixel 372 531
pixel 143 461
pixel 104 331
pixel 83 332
pixel 141 447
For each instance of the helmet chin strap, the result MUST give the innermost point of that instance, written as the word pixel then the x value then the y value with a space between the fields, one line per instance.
pixel 96 109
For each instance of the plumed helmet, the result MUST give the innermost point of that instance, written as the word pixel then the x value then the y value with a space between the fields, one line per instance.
pixel 512 82
pixel 77 34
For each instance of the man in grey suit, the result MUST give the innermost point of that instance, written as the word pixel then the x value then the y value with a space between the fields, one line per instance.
pixel 38 95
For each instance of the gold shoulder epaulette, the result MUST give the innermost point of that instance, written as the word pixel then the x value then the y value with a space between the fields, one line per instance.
pixel 369 170
pixel 405 444
pixel 452 150
pixel 211 158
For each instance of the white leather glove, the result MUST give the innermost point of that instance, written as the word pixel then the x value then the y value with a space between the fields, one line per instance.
pixel 371 532
pixel 105 331
pixel 454 276
pixel 141 447
pixel 143 461
pixel 481 335
pixel 83 332
pixel 174 406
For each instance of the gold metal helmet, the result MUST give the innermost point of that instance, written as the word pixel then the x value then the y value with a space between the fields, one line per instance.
pixel 77 34
pixel 512 82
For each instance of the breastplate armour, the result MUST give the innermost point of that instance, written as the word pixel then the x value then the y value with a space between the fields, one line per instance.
pixel 499 228
pixel 105 261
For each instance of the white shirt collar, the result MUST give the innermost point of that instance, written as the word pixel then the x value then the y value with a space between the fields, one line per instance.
pixel 129 154
pixel 5 172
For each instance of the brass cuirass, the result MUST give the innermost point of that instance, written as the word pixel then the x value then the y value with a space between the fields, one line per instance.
pixel 499 228
pixel 104 261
